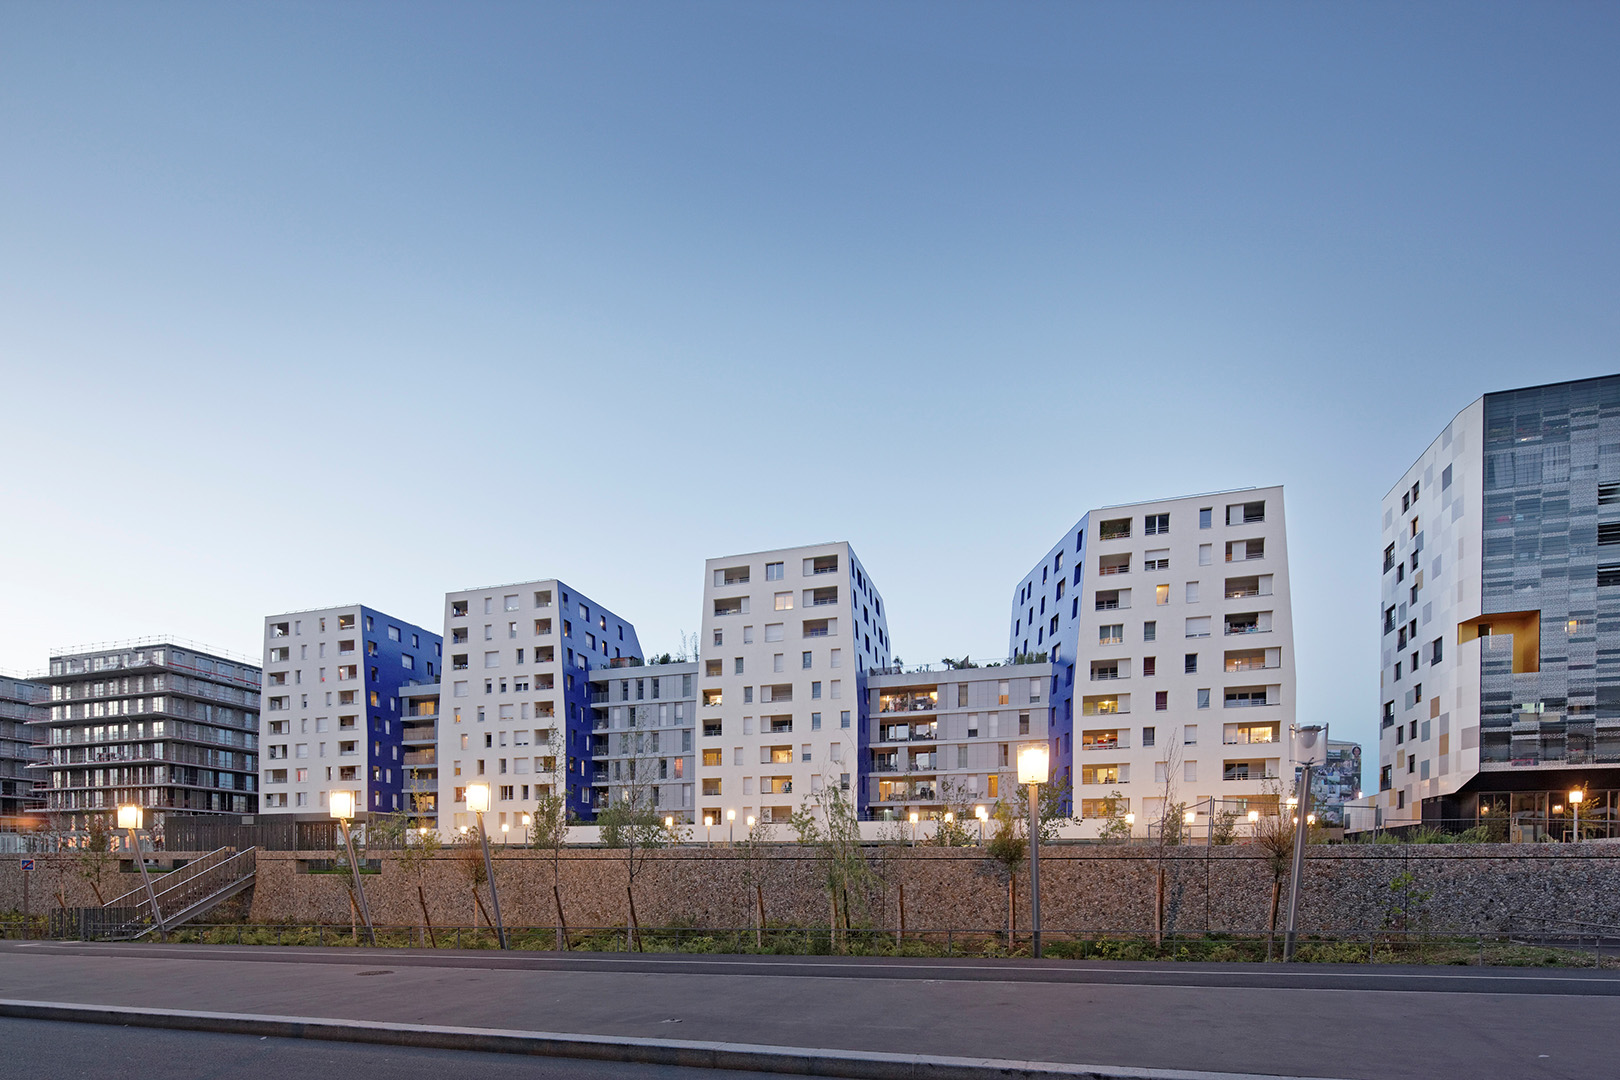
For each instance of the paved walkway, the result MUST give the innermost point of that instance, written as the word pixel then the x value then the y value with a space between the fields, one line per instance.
pixel 1309 1020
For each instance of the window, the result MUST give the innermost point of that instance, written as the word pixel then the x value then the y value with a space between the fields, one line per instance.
pixel 1108 634
pixel 784 601
pixel 1206 554
pixel 843 719
pixel 1158 559
pixel 1250 513
pixel 1445 478
pixel 1161 702
pixel 1150 631
pixel 1190 664
pixel 773 631
pixel 1189 735
pixel 773 571
pixel 1206 517
pixel 1435 648
pixel 1198 627
pixel 1161 594
pixel 1148 735
pixel 1156 524
pixel 1203 699
pixel 1116 529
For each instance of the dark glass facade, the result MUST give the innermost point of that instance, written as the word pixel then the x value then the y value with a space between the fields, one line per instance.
pixel 1551 545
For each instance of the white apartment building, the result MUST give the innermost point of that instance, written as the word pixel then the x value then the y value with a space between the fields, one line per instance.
pixel 947 738
pixel 643 722
pixel 1170 629
pixel 788 636
pixel 520 659
pixel 332 715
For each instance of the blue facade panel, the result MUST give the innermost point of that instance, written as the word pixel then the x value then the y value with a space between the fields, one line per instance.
pixel 395 653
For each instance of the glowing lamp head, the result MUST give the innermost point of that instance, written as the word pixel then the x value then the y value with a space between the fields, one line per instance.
pixel 342 804
pixel 982 813
pixel 527 821
pixel 669 823
pixel 708 821
pixel 1130 819
pixel 129 817
pixel 1033 764
pixel 478 798
pixel 1254 816
pixel 949 817
pixel 463 830
pixel 1577 796
pixel 913 817
pixel 750 821
pixel 1190 816
pixel 731 815
pixel 505 827
pixel 1310 819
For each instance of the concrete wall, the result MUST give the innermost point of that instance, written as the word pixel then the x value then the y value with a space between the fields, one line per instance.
pixel 1083 888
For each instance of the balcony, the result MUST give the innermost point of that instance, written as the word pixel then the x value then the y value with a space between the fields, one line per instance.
pixel 422 733
pixel 711 730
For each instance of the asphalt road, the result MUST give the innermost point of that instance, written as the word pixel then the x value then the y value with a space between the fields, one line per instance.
pixel 1313 1020
pixel 84 1051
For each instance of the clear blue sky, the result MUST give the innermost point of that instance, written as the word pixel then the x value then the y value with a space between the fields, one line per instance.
pixel 309 304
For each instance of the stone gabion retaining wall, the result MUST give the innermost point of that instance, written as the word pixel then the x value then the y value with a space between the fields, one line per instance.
pixel 1083 887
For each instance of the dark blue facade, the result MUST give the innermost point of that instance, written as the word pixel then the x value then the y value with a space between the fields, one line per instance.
pixel 592 638
pixel 1046 618
pixel 395 653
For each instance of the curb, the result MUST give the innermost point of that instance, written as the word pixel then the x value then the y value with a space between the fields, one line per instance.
pixel 795 1061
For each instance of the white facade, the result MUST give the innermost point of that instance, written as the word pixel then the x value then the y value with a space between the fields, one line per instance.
pixel 1170 625
pixel 518 661
pixel 788 636
pixel 332 717
pixel 1429 724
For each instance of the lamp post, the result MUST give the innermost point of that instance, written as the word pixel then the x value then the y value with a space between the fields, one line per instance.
pixel 983 815
pixel 1034 770
pixel 527 821
pixel 731 828
pixel 708 830
pixel 1310 740
pixel 505 828
pixel 1254 824
pixel 913 817
pixel 1576 797
pixel 478 803
pixel 129 817
pixel 341 804
pixel 1130 827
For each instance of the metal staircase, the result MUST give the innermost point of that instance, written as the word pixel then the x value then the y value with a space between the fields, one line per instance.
pixel 193 890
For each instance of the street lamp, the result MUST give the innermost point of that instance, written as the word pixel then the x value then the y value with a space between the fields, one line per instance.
pixel 750 826
pixel 731 827
pixel 129 817
pixel 1576 797
pixel 1130 826
pixel 505 828
pixel 1034 769
pixel 983 815
pixel 341 804
pixel 527 821
pixel 708 827
pixel 913 828
pixel 1254 823
pixel 478 803
pixel 1311 740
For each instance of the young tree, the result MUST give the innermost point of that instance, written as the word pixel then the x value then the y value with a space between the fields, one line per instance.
pixel 1007 849
pixel 551 819
pixel 959 807
pixel 1114 826
pixel 94 858
pixel 827 821
pixel 417 847
pixel 631 821
pixel 469 858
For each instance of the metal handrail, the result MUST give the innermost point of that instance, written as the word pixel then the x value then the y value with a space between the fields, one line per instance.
pixel 175 877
